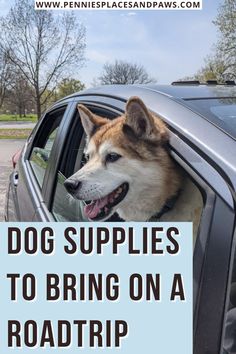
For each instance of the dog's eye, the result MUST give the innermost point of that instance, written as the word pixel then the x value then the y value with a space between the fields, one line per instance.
pixel 112 157
pixel 84 160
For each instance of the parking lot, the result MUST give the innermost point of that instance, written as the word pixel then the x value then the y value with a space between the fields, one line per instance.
pixel 7 150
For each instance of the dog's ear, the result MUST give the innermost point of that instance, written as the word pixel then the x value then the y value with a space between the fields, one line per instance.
pixel 91 122
pixel 138 117
pixel 140 123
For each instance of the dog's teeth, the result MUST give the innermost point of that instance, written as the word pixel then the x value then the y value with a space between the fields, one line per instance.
pixel 120 190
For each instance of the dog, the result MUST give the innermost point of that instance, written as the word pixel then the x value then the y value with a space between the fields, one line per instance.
pixel 129 169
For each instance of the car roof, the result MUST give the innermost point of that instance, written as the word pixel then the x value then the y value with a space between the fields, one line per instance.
pixel 196 91
pixel 175 91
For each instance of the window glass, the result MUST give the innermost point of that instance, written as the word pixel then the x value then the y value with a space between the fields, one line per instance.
pixel 43 144
pixel 220 111
pixel 65 207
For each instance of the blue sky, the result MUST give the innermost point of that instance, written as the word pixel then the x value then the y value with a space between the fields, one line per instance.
pixel 169 44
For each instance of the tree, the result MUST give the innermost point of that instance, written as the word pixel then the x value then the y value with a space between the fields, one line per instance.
pixel 5 75
pixel 220 65
pixel 19 95
pixel 214 69
pixel 122 72
pixel 42 45
pixel 226 46
pixel 68 86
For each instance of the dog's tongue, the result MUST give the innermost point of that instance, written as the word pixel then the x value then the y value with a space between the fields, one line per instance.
pixel 93 209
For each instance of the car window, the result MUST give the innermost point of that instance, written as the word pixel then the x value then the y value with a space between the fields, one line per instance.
pixel 65 207
pixel 220 111
pixel 188 207
pixel 43 143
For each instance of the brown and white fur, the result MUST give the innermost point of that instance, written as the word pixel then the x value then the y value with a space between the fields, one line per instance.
pixel 138 143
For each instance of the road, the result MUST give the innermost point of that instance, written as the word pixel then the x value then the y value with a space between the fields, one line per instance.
pixel 17 125
pixel 7 150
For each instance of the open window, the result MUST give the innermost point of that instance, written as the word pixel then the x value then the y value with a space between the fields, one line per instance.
pixel 189 205
pixel 65 207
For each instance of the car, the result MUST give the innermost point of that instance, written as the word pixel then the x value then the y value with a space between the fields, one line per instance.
pixel 201 119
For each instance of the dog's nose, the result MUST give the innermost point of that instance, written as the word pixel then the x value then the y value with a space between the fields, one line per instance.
pixel 72 185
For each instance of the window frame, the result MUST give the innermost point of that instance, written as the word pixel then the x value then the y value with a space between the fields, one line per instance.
pixel 36 193
pixel 40 138
pixel 96 108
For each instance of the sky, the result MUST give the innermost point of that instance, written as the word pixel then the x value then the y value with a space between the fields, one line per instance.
pixel 169 44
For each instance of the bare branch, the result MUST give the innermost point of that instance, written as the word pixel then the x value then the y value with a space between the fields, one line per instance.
pixel 123 73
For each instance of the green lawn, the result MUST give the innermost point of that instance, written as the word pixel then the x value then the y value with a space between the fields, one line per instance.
pixel 16 117
pixel 14 133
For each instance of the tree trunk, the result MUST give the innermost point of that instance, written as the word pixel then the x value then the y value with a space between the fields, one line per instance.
pixel 24 110
pixel 38 105
pixel 20 111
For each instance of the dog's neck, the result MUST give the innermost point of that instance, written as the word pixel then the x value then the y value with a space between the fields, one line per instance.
pixel 143 211
pixel 168 206
pixel 151 200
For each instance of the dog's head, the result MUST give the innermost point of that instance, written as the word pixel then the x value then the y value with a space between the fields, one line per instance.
pixel 122 161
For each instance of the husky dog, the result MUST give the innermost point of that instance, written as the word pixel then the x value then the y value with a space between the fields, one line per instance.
pixel 129 169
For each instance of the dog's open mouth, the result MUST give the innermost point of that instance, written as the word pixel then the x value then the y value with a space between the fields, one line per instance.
pixel 102 208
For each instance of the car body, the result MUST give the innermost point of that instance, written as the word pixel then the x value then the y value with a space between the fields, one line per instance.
pixel 202 124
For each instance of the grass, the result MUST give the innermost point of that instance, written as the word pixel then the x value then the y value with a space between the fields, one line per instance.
pixel 16 118
pixel 14 133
